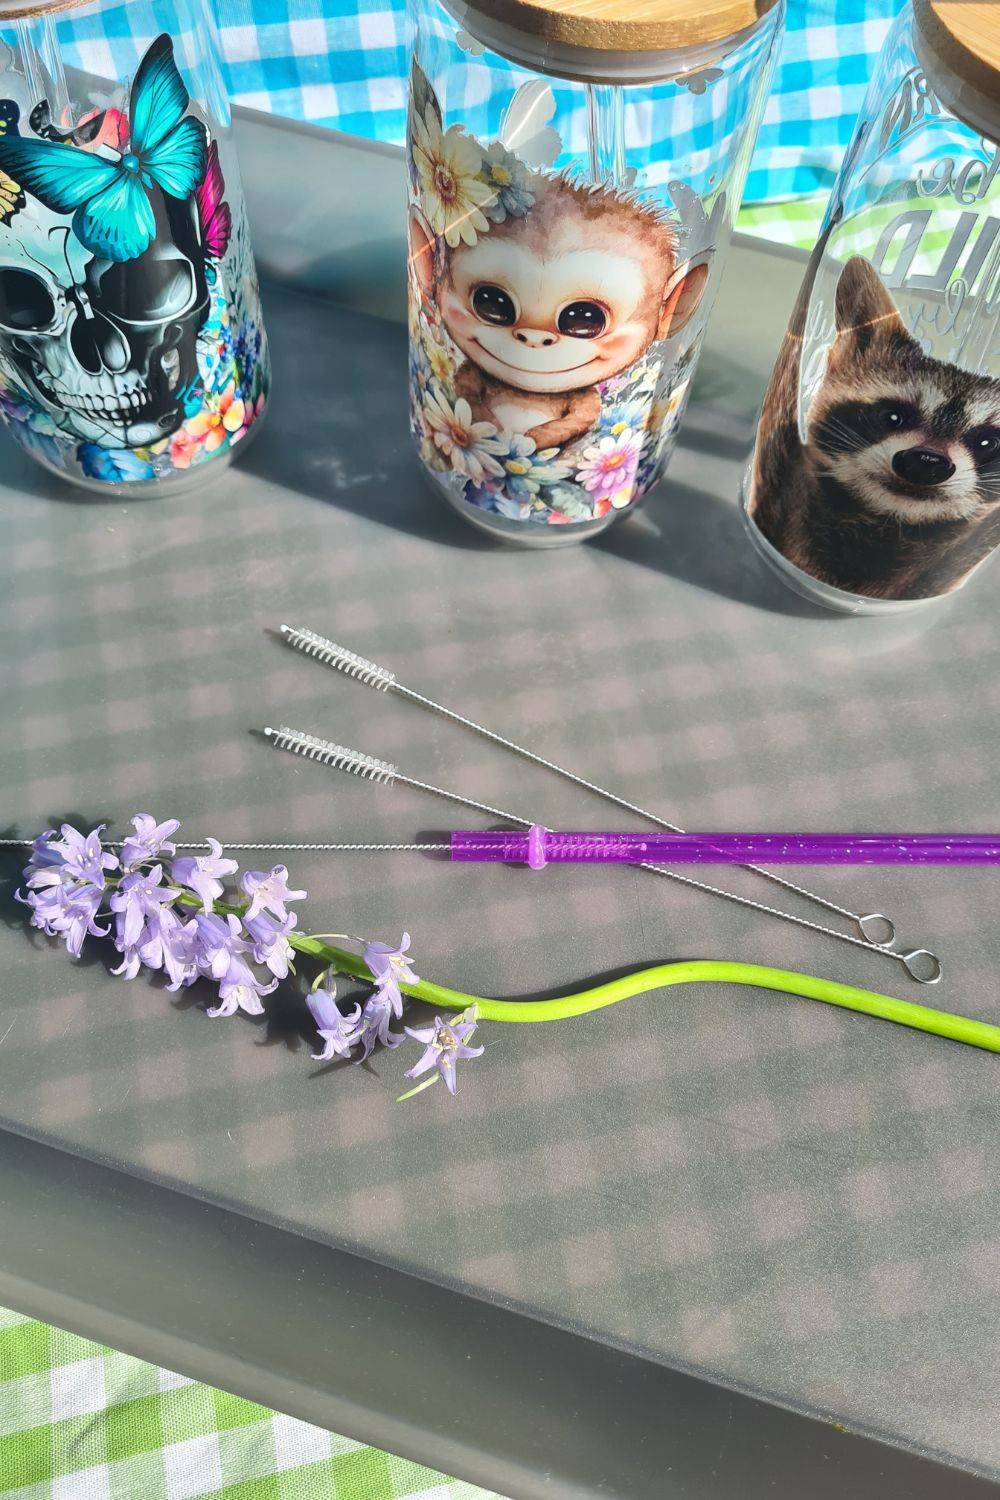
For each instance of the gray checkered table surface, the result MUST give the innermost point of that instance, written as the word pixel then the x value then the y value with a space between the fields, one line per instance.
pixel 794 1200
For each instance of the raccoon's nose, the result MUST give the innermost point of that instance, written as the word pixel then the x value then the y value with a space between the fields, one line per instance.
pixel 923 466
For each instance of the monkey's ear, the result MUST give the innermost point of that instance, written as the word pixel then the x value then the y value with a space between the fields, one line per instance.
pixel 864 310
pixel 683 298
pixel 421 252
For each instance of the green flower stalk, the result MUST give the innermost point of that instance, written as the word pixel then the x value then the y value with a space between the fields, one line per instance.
pixel 758 976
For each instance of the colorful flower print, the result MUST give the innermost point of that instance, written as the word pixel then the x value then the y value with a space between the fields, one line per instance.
pixel 609 468
pixel 528 470
pixel 452 193
pixel 469 446
pixel 508 179
pixel 204 433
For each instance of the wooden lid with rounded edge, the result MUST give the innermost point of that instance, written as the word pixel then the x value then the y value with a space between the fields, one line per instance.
pixel 18 10
pixel 965 36
pixel 625 25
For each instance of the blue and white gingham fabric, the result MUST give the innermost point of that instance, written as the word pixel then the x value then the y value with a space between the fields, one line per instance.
pixel 342 63
pixel 826 62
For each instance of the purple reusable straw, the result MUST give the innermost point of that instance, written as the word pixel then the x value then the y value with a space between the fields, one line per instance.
pixel 540 846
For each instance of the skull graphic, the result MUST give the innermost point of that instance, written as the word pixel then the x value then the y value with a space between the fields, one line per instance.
pixel 106 349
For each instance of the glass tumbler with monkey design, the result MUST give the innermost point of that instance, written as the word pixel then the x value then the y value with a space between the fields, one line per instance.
pixel 875 483
pixel 132 349
pixel 574 168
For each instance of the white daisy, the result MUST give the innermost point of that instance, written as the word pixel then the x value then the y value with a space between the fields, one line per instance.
pixel 469 445
pixel 452 193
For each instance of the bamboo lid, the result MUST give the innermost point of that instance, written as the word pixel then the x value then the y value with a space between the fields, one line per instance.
pixel 959 44
pixel 623 25
pixel 18 10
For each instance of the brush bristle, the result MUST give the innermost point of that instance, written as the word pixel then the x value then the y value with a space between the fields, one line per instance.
pixel 338 657
pixel 369 767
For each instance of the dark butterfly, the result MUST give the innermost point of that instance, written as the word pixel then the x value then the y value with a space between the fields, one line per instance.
pixel 12 198
pixel 83 134
pixel 101 127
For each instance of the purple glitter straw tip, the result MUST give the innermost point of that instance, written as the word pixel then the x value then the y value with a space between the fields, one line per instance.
pixel 540 846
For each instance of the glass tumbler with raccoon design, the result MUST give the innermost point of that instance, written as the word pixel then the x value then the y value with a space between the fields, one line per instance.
pixel 132 349
pixel 574 168
pixel 875 481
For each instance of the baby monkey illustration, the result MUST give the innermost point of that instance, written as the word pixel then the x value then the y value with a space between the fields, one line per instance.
pixel 548 304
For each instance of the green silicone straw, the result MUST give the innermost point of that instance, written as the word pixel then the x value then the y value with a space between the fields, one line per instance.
pixel 759 976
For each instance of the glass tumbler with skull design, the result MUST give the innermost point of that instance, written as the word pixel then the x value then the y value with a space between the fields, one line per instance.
pixel 574 170
pixel 132 348
pixel 875 483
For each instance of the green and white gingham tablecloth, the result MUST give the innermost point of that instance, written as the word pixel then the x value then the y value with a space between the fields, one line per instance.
pixel 78 1422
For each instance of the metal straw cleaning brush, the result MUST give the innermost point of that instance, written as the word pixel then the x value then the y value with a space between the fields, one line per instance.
pixel 876 931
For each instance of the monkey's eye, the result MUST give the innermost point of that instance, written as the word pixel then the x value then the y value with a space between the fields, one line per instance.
pixel 491 304
pixel 582 320
pixel 985 443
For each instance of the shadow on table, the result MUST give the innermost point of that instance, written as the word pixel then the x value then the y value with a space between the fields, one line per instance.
pixel 337 427
pixel 696 537
pixel 338 431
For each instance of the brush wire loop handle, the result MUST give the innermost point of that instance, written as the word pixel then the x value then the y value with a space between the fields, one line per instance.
pixel 875 927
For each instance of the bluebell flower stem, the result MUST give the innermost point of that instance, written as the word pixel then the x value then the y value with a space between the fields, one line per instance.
pixel 434 1078
pixel 758 976
pixel 941 1023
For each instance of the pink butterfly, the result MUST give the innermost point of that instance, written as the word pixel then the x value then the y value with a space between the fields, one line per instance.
pixel 213 213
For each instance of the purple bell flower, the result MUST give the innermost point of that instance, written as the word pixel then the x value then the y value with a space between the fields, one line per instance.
pixel 66 911
pixel 241 990
pixel 337 1030
pixel 83 855
pixel 44 855
pixel 169 944
pixel 139 896
pixel 374 1025
pixel 217 940
pixel 200 873
pixel 66 883
pixel 269 940
pixel 269 892
pixel 150 841
pixel 389 966
pixel 444 1046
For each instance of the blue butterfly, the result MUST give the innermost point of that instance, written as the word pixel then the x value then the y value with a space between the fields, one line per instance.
pixel 110 199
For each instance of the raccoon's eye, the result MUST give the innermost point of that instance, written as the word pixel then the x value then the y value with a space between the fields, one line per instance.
pixel 893 416
pixel 985 443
